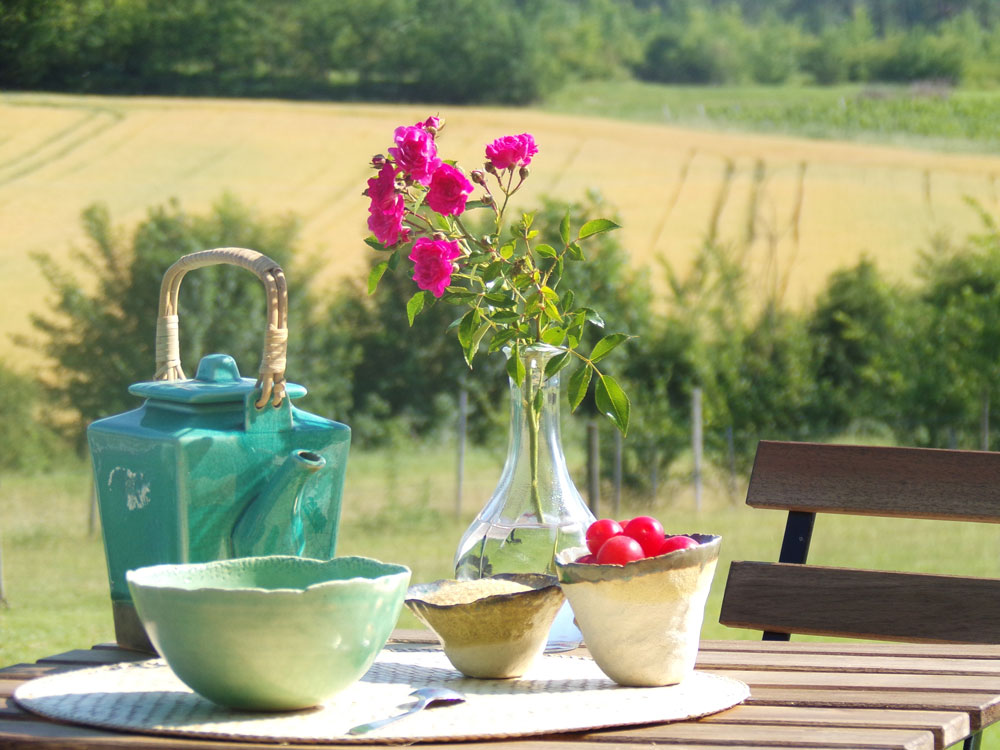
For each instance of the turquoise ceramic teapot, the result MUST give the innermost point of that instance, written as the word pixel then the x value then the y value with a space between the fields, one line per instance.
pixel 216 466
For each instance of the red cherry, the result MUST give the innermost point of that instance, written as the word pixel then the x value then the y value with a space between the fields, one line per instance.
pixel 586 560
pixel 674 543
pixel 619 550
pixel 648 532
pixel 601 531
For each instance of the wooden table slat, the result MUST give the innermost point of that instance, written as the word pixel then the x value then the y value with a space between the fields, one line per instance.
pixel 860 648
pixel 95 657
pixel 948 727
pixel 803 695
pixel 778 735
pixel 875 681
pixel 982 708
pixel 813 662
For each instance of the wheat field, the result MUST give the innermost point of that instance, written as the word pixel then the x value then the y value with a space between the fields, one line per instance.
pixel 798 209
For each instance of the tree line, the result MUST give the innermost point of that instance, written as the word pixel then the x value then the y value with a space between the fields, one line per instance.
pixel 465 51
pixel 913 364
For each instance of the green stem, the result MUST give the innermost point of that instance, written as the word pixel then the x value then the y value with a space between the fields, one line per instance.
pixel 533 424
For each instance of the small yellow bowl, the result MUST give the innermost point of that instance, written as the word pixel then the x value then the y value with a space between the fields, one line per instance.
pixel 484 631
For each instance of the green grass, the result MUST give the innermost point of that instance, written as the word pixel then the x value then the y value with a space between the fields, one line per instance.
pixel 400 507
pixel 956 120
pixel 404 511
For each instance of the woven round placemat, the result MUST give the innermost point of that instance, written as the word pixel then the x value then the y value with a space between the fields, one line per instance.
pixel 559 694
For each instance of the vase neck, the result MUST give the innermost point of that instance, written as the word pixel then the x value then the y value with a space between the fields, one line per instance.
pixel 536 453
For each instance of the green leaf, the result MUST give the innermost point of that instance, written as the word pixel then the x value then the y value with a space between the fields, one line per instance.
pixel 612 401
pixel 596 226
pixel 376 275
pixel 549 294
pixel 555 364
pixel 505 316
pixel 546 250
pixel 605 346
pixel 515 367
pixel 500 339
pixel 477 339
pixel 440 223
pixel 578 384
pixel 593 317
pixel 467 328
pixel 553 336
pixel 475 204
pixel 568 299
pixel 394 260
pixel 574 252
pixel 374 243
pixel 507 251
pixel 415 305
pixel 564 228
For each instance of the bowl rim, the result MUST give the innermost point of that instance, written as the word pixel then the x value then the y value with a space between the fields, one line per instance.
pixel 136 576
pixel 571 572
pixel 545 582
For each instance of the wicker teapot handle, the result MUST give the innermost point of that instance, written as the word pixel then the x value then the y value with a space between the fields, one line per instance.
pixel 271 379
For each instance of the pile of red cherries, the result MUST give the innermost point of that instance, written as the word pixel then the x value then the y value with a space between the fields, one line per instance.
pixel 614 543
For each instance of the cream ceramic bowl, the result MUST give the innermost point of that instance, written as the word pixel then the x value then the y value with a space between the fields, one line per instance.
pixel 495 636
pixel 642 621
pixel 270 633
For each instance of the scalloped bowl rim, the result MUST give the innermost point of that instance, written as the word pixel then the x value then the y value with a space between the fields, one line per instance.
pixel 147 576
pixel 546 582
pixel 574 572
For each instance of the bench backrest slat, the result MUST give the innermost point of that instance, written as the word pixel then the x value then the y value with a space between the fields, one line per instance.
pixel 878 481
pixel 815 600
pixel 809 478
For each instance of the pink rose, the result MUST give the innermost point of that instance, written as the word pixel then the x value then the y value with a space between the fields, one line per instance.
pixel 415 152
pixel 512 151
pixel 386 223
pixel 432 263
pixel 382 189
pixel 430 122
pixel 448 191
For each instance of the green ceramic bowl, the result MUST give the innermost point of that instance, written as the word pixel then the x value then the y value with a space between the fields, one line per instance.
pixel 272 633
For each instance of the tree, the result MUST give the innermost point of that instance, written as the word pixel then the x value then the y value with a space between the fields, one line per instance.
pixel 856 329
pixel 103 340
pixel 955 368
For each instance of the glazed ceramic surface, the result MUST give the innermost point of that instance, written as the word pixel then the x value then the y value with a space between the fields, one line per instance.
pixel 198 473
pixel 642 621
pixel 496 636
pixel 272 633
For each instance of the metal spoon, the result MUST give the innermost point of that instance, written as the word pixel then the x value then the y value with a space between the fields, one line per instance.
pixel 426 696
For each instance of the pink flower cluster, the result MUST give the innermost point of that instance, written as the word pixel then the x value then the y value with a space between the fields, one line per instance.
pixel 414 160
pixel 512 151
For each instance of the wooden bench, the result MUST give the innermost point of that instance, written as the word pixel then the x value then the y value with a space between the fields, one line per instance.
pixel 805 479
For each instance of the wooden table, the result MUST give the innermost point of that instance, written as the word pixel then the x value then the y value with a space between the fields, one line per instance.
pixel 803 694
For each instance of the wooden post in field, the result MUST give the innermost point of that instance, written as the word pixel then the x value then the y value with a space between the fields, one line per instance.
pixel 3 595
pixel 463 405
pixel 731 456
pixel 696 444
pixel 593 468
pixel 618 474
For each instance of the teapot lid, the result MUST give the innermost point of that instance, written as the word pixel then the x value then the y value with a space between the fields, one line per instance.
pixel 217 381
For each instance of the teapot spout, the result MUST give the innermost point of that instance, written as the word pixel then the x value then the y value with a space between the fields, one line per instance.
pixel 272 522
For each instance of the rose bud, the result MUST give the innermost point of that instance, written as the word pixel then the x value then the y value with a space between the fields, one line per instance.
pixel 478 176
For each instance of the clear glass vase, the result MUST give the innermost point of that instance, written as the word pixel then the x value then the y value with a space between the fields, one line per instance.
pixel 535 510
